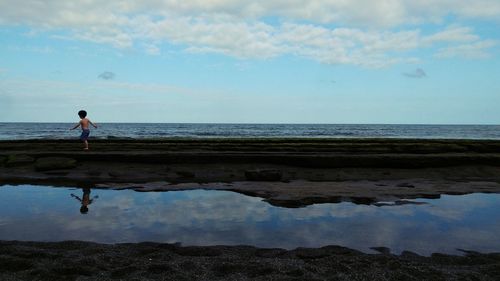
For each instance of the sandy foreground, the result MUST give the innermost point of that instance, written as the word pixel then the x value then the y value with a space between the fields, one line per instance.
pixel 285 172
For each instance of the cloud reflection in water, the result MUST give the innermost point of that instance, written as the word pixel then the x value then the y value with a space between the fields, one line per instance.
pixel 225 218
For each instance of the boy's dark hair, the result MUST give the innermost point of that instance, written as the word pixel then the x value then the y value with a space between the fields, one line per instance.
pixel 84 209
pixel 82 113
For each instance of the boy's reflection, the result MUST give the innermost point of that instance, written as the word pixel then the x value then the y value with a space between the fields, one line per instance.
pixel 85 200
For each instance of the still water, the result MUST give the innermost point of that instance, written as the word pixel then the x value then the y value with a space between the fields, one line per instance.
pixel 201 217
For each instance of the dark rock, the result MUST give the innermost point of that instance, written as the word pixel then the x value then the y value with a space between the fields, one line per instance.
pixel 405 184
pixel 185 174
pixel 70 270
pixel 339 250
pixel 225 269
pixel 310 253
pixel 363 200
pixel 77 260
pixel 2 160
pixel 393 265
pixel 198 251
pixel 269 253
pixel 295 272
pixel 263 175
pixel 116 174
pixel 124 271
pixel 14 264
pixel 19 160
pixel 430 196
pixel 409 254
pixel 258 270
pixel 94 173
pixel 54 163
pixel 160 268
pixel 57 173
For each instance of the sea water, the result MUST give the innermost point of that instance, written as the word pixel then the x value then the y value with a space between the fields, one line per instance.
pixel 18 131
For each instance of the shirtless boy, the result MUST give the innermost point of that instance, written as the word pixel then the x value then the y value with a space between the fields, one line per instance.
pixel 84 123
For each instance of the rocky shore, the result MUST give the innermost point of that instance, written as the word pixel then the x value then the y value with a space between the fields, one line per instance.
pixel 285 172
pixel 76 260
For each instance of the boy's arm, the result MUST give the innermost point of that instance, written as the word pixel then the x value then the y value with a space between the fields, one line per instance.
pixel 95 126
pixel 76 126
pixel 76 197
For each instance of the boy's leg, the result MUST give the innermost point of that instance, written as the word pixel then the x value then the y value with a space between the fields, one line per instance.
pixel 84 137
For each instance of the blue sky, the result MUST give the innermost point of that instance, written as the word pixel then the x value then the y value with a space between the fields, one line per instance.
pixel 239 61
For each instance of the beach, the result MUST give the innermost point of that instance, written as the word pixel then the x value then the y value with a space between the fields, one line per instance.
pixel 285 172
pixel 249 140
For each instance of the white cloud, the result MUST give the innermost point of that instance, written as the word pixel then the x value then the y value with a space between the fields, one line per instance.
pixel 477 50
pixel 116 38
pixel 53 13
pixel 227 36
pixel 232 37
pixel 453 34
pixel 151 49
pixel 236 27
pixel 34 49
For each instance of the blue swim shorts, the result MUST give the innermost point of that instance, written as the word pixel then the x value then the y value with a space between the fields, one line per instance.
pixel 85 135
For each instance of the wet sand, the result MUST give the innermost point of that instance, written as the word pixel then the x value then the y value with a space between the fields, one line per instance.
pixel 286 172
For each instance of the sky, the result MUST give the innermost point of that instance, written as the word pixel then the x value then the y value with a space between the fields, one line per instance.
pixel 243 61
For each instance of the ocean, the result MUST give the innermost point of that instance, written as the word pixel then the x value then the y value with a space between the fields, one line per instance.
pixel 20 131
